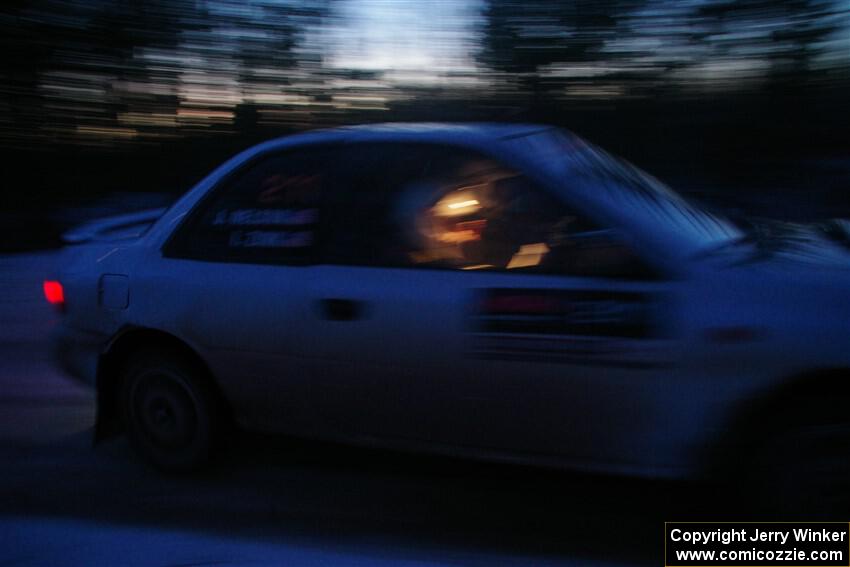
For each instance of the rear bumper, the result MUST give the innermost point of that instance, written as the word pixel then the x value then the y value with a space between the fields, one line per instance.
pixel 78 353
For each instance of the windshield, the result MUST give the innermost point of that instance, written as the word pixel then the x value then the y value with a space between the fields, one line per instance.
pixel 626 188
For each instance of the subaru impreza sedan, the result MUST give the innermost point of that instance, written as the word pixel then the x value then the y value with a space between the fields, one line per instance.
pixel 508 292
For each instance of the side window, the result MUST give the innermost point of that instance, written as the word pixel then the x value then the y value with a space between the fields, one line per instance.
pixel 427 206
pixel 268 212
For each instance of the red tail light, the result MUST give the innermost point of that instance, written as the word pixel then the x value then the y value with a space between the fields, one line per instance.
pixel 54 293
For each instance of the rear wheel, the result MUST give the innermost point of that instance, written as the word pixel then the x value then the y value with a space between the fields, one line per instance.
pixel 169 410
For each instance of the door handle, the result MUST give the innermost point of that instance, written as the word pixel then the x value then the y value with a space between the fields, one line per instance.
pixel 336 309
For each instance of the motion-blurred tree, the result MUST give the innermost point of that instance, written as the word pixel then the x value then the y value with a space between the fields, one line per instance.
pixel 789 35
pixel 521 38
pixel 28 41
pixel 76 63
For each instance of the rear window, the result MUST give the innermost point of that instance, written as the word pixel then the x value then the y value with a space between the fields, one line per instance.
pixel 267 212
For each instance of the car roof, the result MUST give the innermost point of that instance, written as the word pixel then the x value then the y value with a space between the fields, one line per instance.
pixel 473 133
pixel 476 135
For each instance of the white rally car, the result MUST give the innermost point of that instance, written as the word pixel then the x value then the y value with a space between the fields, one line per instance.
pixel 497 291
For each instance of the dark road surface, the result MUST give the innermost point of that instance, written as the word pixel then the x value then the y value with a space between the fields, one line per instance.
pixel 278 501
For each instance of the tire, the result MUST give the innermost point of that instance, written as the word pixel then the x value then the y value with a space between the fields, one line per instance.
pixel 802 467
pixel 169 411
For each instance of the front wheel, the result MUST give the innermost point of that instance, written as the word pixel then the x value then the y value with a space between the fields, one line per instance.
pixel 802 468
pixel 169 411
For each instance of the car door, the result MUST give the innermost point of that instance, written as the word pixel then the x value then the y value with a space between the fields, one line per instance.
pixel 475 309
pixel 236 276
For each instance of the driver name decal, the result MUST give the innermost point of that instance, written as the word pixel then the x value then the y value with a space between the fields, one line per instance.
pixel 567 326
